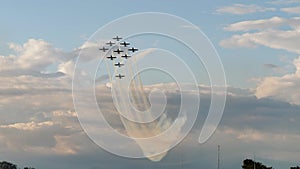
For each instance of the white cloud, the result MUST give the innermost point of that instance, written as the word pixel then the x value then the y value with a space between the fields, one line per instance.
pixel 262 24
pixel 36 54
pixel 63 113
pixel 236 41
pixel 240 9
pixel 33 58
pixel 269 33
pixel 67 68
pixel 276 39
pixel 283 88
pixel 266 34
pixel 293 10
pixel 28 126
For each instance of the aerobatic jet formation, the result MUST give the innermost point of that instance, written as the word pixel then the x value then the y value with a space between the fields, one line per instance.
pixel 117 51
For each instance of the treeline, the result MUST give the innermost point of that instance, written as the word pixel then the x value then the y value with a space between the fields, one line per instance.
pixel 247 164
pixel 8 165
pixel 250 164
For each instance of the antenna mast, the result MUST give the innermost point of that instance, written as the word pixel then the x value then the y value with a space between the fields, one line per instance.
pixel 219 148
pixel 181 163
pixel 254 165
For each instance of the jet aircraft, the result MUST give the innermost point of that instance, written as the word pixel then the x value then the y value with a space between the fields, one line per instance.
pixel 132 49
pixel 126 56
pixel 110 43
pixel 125 44
pixel 120 76
pixel 117 38
pixel 111 57
pixel 103 49
pixel 119 64
pixel 118 51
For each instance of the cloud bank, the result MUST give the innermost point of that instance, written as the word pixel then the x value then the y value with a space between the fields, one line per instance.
pixel 38 123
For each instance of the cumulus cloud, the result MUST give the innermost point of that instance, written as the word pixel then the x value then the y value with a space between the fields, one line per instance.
pixel 67 67
pixel 32 58
pixel 265 34
pixel 35 103
pixel 281 87
pixel 35 54
pixel 241 9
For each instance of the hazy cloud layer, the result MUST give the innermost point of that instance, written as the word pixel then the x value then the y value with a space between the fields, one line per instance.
pixel 293 10
pixel 282 2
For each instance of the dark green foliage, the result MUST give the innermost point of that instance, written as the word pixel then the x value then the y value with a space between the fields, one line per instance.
pixel 7 165
pixel 249 164
pixel 297 167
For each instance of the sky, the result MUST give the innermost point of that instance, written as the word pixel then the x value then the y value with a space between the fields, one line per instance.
pixel 257 42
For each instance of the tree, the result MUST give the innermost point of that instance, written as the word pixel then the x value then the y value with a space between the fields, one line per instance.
pixel 7 165
pixel 250 164
pixel 297 167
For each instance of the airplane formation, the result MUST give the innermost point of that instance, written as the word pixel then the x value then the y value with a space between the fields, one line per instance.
pixel 123 52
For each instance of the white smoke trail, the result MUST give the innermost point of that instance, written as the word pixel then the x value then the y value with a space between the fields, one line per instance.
pixel 133 105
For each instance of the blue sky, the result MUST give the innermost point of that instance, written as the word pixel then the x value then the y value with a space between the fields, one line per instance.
pixel 257 42
pixel 66 25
